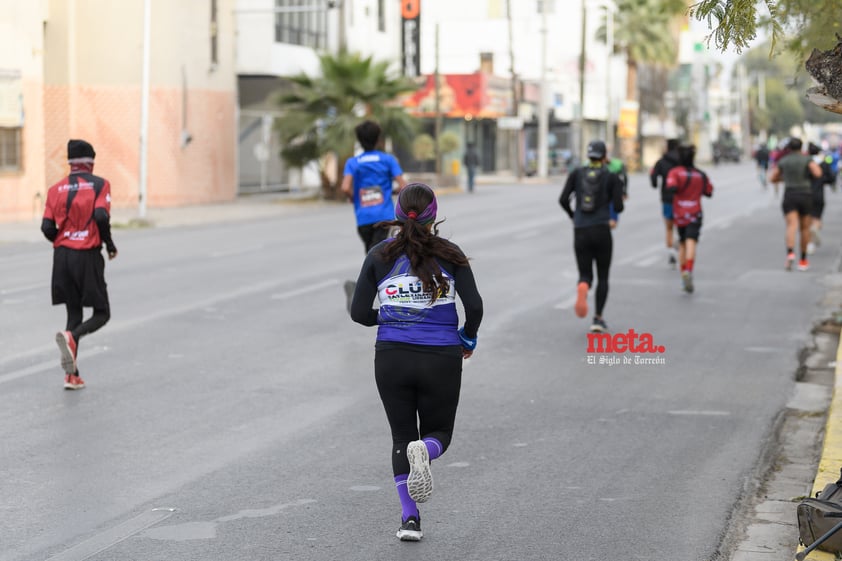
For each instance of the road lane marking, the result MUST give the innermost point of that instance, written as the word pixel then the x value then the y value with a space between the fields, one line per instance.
pixel 703 413
pixel 42 366
pixel 305 290
pixel 123 325
pixel 115 535
pixel 19 289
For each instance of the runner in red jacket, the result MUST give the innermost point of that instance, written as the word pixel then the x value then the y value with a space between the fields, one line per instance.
pixel 688 184
pixel 77 222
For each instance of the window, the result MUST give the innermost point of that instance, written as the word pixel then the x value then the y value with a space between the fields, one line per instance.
pixel 301 22
pixel 10 149
pixel 381 15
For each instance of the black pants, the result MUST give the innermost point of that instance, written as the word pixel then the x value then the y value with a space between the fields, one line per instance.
pixel 594 244
pixel 371 235
pixel 81 328
pixel 417 386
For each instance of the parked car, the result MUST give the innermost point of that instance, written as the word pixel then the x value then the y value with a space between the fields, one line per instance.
pixel 725 152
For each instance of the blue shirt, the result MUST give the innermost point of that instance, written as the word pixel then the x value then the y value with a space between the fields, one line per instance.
pixel 373 173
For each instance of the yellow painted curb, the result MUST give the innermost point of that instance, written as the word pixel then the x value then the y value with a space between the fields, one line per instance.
pixel 831 458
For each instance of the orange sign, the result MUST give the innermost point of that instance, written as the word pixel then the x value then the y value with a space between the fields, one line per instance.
pixel 410 8
pixel 627 123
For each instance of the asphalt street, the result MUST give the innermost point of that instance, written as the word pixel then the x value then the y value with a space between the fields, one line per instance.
pixel 231 411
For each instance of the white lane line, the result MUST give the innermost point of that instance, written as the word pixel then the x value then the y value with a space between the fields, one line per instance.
pixel 238 251
pixel 564 304
pixel 42 366
pixel 704 413
pixel 648 261
pixel 19 289
pixel 106 539
pixel 170 312
pixel 305 290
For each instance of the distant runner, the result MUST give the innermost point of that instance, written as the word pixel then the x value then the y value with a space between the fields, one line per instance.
pixel 795 169
pixel 689 184
pixel 595 189
pixel 368 183
pixel 660 170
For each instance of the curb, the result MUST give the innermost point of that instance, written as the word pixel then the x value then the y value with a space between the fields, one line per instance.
pixel 831 456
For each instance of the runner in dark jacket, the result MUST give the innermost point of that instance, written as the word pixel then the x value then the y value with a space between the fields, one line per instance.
pixel 592 239
pixel 659 171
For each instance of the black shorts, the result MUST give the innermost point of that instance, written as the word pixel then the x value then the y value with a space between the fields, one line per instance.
pixel 690 232
pixel 797 201
pixel 818 203
pixel 372 234
pixel 79 278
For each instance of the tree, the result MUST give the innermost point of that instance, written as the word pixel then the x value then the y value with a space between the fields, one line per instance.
pixel 643 31
pixel 424 149
pixel 783 72
pixel 320 113
pixel 788 111
pixel 796 25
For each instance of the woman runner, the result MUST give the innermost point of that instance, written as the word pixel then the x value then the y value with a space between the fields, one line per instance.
pixel 419 350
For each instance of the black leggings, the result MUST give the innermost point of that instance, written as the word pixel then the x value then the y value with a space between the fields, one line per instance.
pixel 79 328
pixel 417 386
pixel 594 243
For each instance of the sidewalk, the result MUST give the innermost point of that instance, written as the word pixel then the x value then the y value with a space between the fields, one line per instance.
pixel 830 461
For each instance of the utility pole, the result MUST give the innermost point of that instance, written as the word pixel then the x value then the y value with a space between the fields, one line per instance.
pixel 342 39
pixel 437 79
pixel 144 112
pixel 745 125
pixel 580 120
pixel 543 117
pixel 515 133
pixel 609 39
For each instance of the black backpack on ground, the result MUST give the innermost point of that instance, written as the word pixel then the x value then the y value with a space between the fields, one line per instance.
pixel 818 516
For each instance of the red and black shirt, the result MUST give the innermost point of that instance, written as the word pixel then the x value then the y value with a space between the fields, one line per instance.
pixel 72 204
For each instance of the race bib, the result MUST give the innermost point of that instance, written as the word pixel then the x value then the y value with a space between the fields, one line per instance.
pixel 371 196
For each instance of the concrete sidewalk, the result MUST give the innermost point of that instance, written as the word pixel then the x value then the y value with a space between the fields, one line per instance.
pixel 830 461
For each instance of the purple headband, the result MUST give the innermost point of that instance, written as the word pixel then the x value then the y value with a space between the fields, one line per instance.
pixel 428 216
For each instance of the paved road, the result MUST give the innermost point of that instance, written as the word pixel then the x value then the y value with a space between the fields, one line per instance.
pixel 231 411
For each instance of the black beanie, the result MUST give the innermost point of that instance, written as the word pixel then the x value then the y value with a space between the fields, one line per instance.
pixel 79 149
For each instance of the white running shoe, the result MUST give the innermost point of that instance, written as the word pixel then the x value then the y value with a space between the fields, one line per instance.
pixel 419 483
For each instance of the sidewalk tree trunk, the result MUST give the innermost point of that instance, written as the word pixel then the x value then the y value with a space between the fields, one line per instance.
pixel 319 114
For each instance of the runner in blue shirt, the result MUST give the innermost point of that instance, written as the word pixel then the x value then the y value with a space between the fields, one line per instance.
pixel 368 183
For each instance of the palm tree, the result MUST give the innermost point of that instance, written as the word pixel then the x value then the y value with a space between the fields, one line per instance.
pixel 644 31
pixel 320 113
